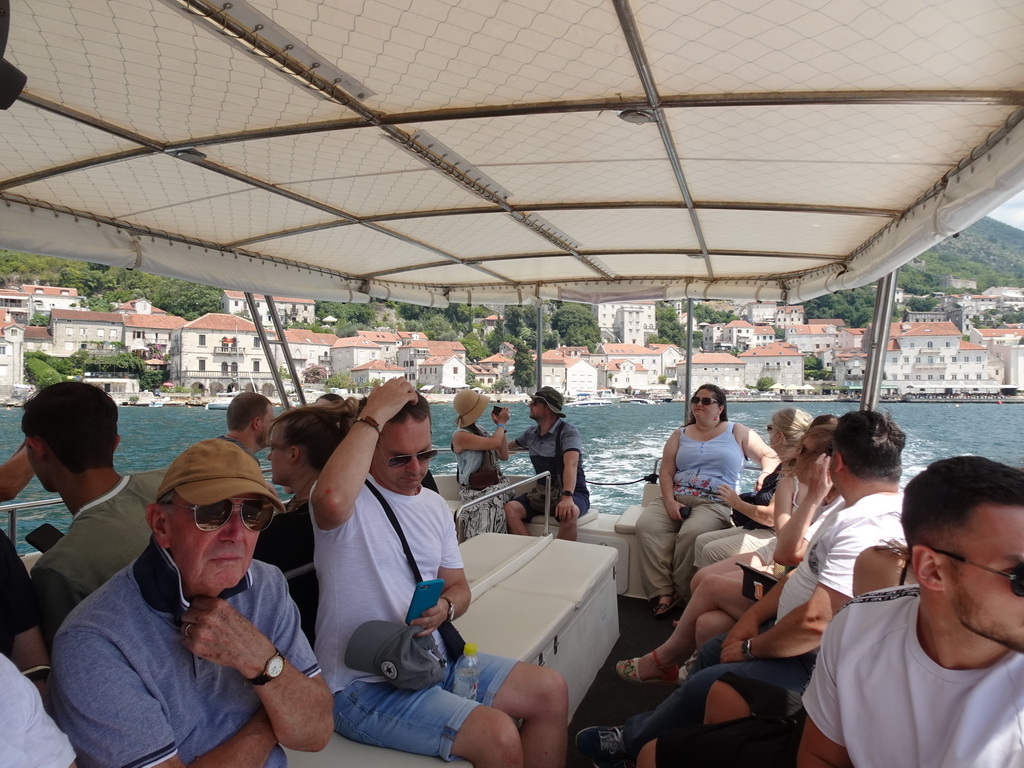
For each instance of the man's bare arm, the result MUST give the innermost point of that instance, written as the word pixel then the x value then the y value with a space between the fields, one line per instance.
pixel 819 751
pixel 15 474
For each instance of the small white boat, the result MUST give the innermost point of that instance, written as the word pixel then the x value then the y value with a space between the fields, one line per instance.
pixel 589 400
pixel 641 400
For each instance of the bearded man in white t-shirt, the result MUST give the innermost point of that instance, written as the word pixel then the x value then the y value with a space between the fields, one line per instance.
pixel 933 675
pixel 364 575
pixel 776 640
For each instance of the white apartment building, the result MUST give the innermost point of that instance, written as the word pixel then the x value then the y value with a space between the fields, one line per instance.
pixel 781 362
pixel 787 316
pixel 500 365
pixel 38 339
pixel 819 339
pixel 737 335
pixel 12 356
pixel 718 368
pixel 17 304
pixel 288 309
pixel 73 330
pixel 627 323
pixel 932 358
pixel 848 368
pixel 352 351
pixel 569 375
pixel 46 298
pixel 638 354
pixel 373 371
pixel 668 357
pixel 1005 345
pixel 441 373
pixel 220 353
pixel 759 312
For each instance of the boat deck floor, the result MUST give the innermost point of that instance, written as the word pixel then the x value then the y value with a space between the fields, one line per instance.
pixel 611 700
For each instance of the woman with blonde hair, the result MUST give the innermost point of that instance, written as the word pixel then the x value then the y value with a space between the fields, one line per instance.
pixel 477 454
pixel 301 441
pixel 754 513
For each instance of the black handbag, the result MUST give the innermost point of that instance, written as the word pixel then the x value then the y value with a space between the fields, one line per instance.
pixel 452 639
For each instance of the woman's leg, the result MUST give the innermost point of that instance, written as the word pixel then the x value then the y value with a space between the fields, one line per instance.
pixel 655 535
pixel 704 517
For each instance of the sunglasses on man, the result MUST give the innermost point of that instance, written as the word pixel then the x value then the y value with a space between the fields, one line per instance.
pixel 256 514
pixel 1016 577
pixel 404 458
pixel 703 400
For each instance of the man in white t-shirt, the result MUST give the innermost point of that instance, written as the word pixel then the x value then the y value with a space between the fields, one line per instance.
pixel 933 674
pixel 364 575
pixel 777 639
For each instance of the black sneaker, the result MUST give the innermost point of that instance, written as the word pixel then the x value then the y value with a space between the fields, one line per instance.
pixel 604 746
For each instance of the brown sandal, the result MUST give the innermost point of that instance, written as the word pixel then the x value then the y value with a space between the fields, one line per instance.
pixel 661 609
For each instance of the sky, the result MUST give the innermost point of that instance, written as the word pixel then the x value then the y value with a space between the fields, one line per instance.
pixel 1011 212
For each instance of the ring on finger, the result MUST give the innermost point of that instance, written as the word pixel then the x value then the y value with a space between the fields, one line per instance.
pixel 186 628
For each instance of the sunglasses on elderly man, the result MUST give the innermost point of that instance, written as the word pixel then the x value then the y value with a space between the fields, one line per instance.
pixel 1016 577
pixel 256 514
pixel 404 458
pixel 703 400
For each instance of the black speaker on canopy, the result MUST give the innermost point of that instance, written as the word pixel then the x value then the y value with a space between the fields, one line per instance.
pixel 12 79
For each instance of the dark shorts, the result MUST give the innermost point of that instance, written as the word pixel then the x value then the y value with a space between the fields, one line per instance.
pixel 581 500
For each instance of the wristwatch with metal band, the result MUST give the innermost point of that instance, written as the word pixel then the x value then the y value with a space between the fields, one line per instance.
pixel 451 609
pixel 567 493
pixel 273 668
pixel 745 649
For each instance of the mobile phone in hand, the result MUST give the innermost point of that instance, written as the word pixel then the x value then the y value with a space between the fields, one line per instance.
pixel 496 410
pixel 425 596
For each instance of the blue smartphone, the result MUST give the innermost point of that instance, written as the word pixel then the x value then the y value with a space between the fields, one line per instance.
pixel 426 596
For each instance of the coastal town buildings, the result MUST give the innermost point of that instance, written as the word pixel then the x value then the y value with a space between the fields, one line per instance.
pixel 220 353
pixel 718 368
pixel 353 351
pixel 779 361
pixel 12 355
pixel 288 309
pixel 626 323
pixel 46 298
pixel 375 371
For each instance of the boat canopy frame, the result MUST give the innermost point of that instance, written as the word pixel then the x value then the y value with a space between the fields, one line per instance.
pixel 512 152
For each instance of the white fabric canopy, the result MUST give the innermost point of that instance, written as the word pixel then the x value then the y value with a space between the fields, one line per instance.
pixel 473 151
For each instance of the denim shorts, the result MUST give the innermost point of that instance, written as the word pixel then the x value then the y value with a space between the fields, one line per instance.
pixel 424 722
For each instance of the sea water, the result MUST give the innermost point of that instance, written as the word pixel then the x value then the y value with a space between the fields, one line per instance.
pixel 620 442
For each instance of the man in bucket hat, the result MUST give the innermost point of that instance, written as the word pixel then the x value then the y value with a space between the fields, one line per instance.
pixel 194 650
pixel 555 446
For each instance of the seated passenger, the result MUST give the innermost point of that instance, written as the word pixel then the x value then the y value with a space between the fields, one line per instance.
pixel 193 651
pixel 20 638
pixel 776 639
pixel 754 512
pixel 365 575
pixel 705 453
pixel 28 737
pixel 71 434
pixel 718 601
pixel 301 441
pixel 479 473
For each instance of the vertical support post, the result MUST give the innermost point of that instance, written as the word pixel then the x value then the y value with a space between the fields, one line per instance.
pixel 885 297
pixel 688 382
pixel 538 370
pixel 250 299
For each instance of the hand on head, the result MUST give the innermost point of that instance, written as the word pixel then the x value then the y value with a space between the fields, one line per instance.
pixel 389 398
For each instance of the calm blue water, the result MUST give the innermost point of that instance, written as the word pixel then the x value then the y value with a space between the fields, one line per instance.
pixel 621 442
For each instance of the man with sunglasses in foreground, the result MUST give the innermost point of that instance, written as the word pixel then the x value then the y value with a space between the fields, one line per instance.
pixel 194 650
pixel 933 674
pixel 365 575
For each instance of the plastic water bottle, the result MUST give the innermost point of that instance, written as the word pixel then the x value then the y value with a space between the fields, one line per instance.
pixel 467 674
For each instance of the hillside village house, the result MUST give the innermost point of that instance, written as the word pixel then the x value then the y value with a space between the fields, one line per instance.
pixel 623 374
pixel 375 371
pixel 1005 345
pixel 38 339
pixel 781 362
pixel 309 348
pixel 288 309
pixel 483 377
pixel 46 298
pixel 626 323
pixel 788 316
pixel 220 353
pixel 17 304
pixel 498 365
pixel 736 335
pixel 352 351
pixel 820 340
pixel 386 340
pixel 569 375
pixel 415 351
pixel 848 368
pixel 12 355
pixel 441 373
pixel 668 357
pixel 645 357
pixel 149 335
pixel 718 368
pixel 97 332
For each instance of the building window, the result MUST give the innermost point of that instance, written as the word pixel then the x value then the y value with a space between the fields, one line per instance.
pixel 223 367
pixel 4 351
pixel 255 366
pixel 83 331
pixel 202 339
pixel 99 333
pixel 202 364
pixel 234 368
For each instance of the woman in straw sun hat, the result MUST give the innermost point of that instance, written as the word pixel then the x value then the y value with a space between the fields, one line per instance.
pixel 477 454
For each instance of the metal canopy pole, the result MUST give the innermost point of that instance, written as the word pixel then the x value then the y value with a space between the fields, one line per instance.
pixel 688 382
pixel 885 297
pixel 267 347
pixel 538 371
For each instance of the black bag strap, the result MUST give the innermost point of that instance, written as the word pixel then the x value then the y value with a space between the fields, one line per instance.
pixel 398 529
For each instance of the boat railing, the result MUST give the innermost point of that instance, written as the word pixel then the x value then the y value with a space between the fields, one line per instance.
pixel 544 477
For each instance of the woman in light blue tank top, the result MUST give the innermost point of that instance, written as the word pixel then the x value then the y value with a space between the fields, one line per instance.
pixel 706 452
